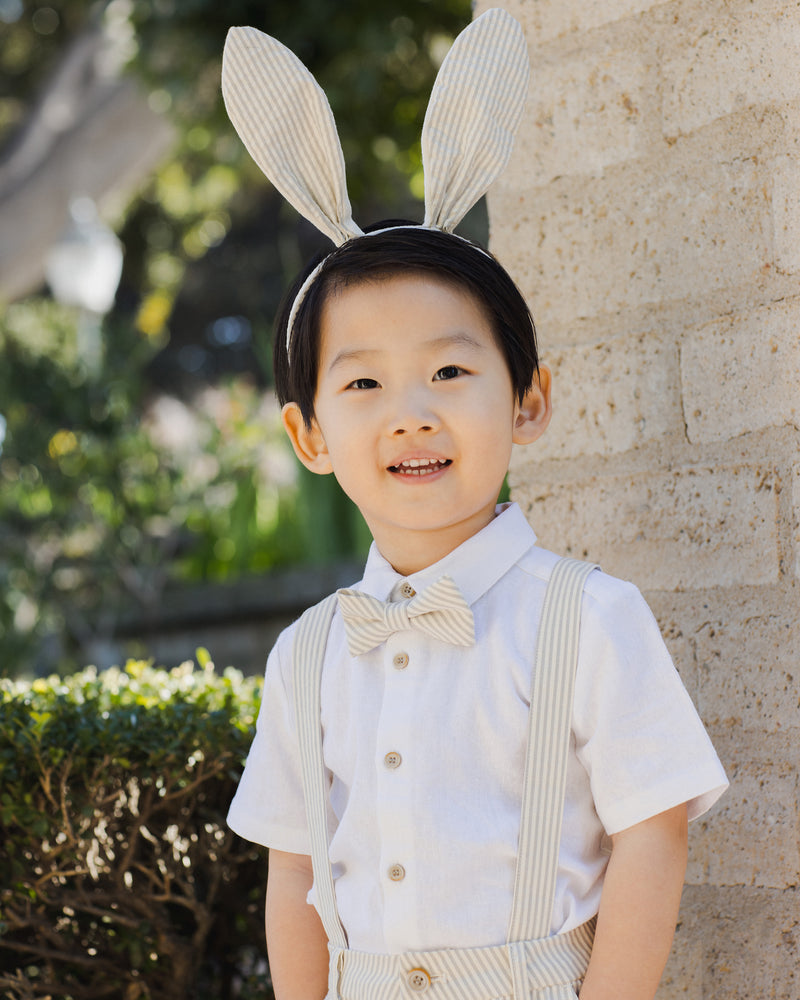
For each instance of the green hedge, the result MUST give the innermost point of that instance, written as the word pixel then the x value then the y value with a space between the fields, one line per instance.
pixel 118 875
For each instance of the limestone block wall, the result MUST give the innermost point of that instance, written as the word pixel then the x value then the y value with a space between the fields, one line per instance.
pixel 651 215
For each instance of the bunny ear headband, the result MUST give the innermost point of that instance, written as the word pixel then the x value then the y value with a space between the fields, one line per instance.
pixel 286 123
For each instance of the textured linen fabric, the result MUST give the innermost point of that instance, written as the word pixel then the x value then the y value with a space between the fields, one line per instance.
pixel 448 813
pixel 531 966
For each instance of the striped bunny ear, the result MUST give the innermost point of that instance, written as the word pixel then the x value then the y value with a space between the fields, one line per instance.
pixel 286 123
pixel 474 111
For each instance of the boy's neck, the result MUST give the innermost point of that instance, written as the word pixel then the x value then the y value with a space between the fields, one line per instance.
pixel 411 551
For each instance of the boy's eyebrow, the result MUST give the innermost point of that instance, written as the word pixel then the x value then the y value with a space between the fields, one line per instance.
pixel 460 339
pixel 361 354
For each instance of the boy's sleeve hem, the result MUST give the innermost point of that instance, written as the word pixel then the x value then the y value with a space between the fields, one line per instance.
pixel 279 838
pixel 699 794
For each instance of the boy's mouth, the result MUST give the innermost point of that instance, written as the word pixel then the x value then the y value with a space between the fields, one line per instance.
pixel 420 466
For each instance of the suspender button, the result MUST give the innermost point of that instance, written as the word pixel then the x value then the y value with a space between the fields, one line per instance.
pixel 418 980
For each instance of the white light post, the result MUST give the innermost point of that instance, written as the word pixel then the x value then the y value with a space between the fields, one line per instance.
pixel 83 269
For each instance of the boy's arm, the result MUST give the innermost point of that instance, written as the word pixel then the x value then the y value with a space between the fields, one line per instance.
pixel 638 909
pixel 296 941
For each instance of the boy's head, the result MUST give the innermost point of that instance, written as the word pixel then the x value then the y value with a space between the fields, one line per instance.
pixel 412 250
pixel 411 371
pixel 358 311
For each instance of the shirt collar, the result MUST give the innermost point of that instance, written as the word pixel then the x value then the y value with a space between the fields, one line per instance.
pixel 476 565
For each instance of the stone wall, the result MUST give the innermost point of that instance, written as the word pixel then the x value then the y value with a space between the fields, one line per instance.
pixel 651 215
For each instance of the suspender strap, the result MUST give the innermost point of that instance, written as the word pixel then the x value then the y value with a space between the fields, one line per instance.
pixel 548 745
pixel 309 650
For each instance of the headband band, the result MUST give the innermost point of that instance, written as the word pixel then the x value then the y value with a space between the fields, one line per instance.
pixel 286 123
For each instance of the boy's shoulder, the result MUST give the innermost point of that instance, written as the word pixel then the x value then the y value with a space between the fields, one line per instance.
pixel 601 588
pixel 612 607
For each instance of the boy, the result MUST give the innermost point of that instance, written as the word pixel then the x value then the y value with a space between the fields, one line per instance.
pixel 413 371
pixel 426 834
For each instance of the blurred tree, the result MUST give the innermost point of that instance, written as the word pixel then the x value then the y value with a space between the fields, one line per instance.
pixel 376 63
pixel 97 508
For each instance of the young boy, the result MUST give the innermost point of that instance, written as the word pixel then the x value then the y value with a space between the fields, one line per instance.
pixel 410 372
pixel 474 769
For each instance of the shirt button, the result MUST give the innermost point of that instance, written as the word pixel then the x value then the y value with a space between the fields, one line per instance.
pixel 396 873
pixel 418 980
pixel 392 760
pixel 407 590
pixel 400 661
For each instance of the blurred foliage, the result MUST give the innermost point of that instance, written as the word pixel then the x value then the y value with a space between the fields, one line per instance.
pixel 100 502
pixel 119 876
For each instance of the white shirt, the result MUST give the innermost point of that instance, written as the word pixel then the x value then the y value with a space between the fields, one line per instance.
pixel 448 811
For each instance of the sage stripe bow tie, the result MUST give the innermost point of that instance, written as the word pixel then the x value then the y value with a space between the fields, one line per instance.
pixel 439 611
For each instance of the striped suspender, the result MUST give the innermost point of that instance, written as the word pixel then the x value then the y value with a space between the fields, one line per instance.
pixel 309 654
pixel 545 767
pixel 548 746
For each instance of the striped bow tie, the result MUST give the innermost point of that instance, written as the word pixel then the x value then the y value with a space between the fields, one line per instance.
pixel 439 611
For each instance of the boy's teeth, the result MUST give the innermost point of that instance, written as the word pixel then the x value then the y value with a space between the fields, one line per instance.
pixel 420 466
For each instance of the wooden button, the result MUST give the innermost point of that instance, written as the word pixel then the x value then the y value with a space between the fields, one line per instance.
pixel 407 590
pixel 418 980
pixel 392 760
pixel 396 873
pixel 400 661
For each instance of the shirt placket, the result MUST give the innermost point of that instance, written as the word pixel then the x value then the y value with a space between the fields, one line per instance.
pixel 395 765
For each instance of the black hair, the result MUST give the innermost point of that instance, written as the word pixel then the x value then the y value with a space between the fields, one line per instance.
pixel 411 250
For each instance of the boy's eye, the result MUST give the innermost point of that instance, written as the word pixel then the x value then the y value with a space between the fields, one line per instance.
pixel 363 383
pixel 448 372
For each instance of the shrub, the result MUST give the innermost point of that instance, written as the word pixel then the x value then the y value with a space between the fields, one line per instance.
pixel 119 876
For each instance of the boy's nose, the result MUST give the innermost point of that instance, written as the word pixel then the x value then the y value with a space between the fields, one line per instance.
pixel 412 416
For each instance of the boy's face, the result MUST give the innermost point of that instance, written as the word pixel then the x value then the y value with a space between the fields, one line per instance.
pixel 415 414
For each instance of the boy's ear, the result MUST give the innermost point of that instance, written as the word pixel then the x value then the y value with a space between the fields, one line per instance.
pixel 308 442
pixel 533 414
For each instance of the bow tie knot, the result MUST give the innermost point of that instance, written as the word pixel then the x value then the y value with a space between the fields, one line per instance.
pixel 440 611
pixel 396 615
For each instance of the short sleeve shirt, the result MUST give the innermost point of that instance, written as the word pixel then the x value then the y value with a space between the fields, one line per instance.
pixel 425 746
